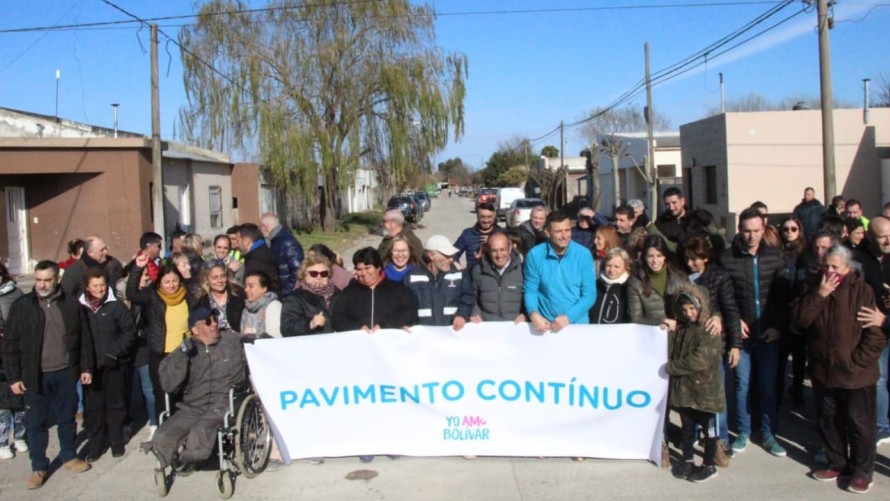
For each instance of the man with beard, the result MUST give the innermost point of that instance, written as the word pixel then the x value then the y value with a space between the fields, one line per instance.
pixel 45 353
pixel 472 238
pixel 394 226
pixel 95 255
pixel 444 293
pixel 559 284
pixel 672 224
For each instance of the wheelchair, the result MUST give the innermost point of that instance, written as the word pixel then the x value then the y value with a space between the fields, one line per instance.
pixel 243 443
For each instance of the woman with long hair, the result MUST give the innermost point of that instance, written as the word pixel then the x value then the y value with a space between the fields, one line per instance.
pixel 165 310
pixel 605 238
pixel 221 293
pixel 399 262
pixel 650 291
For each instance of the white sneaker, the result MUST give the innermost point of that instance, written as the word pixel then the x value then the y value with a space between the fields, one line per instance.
pixel 21 445
pixel 151 432
pixel 6 452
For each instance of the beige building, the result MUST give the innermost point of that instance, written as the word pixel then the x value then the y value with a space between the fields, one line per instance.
pixel 733 159
pixel 633 148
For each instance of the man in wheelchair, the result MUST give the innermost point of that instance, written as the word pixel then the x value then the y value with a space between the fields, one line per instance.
pixel 202 369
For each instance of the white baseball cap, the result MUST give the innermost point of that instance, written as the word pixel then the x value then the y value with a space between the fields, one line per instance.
pixel 440 244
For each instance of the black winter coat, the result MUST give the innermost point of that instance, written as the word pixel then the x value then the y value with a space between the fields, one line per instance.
pixel 234 307
pixel 498 296
pixel 23 340
pixel 723 302
pixel 772 285
pixel 297 311
pixel 611 303
pixel 112 330
pixel 154 311
pixel 263 259
pixel 389 305
pixel 72 279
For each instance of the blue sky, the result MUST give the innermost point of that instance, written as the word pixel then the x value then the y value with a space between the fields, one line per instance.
pixel 527 71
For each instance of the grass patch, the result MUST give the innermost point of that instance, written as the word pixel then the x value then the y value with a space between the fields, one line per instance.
pixel 347 231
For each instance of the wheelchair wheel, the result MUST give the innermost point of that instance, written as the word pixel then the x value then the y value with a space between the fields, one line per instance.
pixel 253 442
pixel 161 483
pixel 225 484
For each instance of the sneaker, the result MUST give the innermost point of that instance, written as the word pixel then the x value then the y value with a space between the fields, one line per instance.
pixel 859 485
pixel 21 445
pixel 826 475
pixel 721 457
pixel 6 452
pixel 740 443
pixel 702 474
pixel 773 447
pixel 35 481
pixel 118 451
pixel 151 432
pixel 683 469
pixel 77 465
pixel 366 459
pixel 883 436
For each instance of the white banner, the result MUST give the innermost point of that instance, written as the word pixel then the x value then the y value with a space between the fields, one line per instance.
pixel 492 389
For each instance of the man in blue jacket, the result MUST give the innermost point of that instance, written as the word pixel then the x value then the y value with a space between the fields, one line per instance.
pixel 286 248
pixel 560 286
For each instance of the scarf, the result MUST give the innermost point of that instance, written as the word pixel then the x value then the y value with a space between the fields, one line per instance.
pixel 397 275
pixel 325 291
pixel 253 319
pixel 93 303
pixel 172 299
pixel 659 280
pixel 7 287
pixel 620 280
pixel 600 254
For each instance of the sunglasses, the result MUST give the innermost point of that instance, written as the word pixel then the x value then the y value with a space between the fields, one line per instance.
pixel 210 320
pixel 316 274
pixel 790 229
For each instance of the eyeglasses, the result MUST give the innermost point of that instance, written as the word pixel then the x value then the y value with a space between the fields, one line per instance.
pixel 210 320
pixel 316 274
pixel 790 229
pixel 401 251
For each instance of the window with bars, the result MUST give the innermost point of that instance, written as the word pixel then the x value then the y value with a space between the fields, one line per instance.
pixel 216 220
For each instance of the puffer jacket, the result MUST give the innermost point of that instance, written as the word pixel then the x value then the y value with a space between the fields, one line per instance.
pixel 611 301
pixel 112 329
pixel 769 289
pixel 498 296
pixel 290 254
pixel 208 372
pixel 694 358
pixel 810 214
pixel 654 308
pixel 441 296
pixel 297 311
pixel 842 353
pixel 719 287
pixel 154 311
pixel 389 305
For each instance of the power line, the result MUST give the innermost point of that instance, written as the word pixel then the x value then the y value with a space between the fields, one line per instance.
pixel 553 10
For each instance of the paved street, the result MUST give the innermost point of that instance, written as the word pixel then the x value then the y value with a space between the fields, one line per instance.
pixel 752 475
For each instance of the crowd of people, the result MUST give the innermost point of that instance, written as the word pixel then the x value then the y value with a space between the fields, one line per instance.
pixel 814 288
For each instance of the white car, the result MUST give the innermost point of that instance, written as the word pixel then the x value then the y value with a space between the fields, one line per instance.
pixel 504 198
pixel 521 210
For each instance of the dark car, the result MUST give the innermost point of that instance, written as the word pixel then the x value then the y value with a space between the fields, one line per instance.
pixel 418 205
pixel 424 198
pixel 407 205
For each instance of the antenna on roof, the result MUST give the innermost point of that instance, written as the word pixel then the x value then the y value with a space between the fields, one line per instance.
pixel 58 77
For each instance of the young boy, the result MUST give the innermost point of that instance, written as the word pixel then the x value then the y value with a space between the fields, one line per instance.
pixel 696 386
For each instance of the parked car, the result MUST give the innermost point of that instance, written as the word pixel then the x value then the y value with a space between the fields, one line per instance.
pixel 425 200
pixel 505 197
pixel 407 205
pixel 486 196
pixel 521 210
pixel 418 205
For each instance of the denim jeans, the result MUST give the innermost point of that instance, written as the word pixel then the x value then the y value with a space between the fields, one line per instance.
pixel 758 365
pixel 883 398
pixel 57 395
pixel 14 421
pixel 140 374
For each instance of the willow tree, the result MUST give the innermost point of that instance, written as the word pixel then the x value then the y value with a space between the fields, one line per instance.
pixel 317 88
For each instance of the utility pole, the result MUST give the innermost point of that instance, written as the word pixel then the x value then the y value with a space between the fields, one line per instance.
pixel 157 169
pixel 650 146
pixel 58 77
pixel 828 170
pixel 562 156
pixel 722 101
